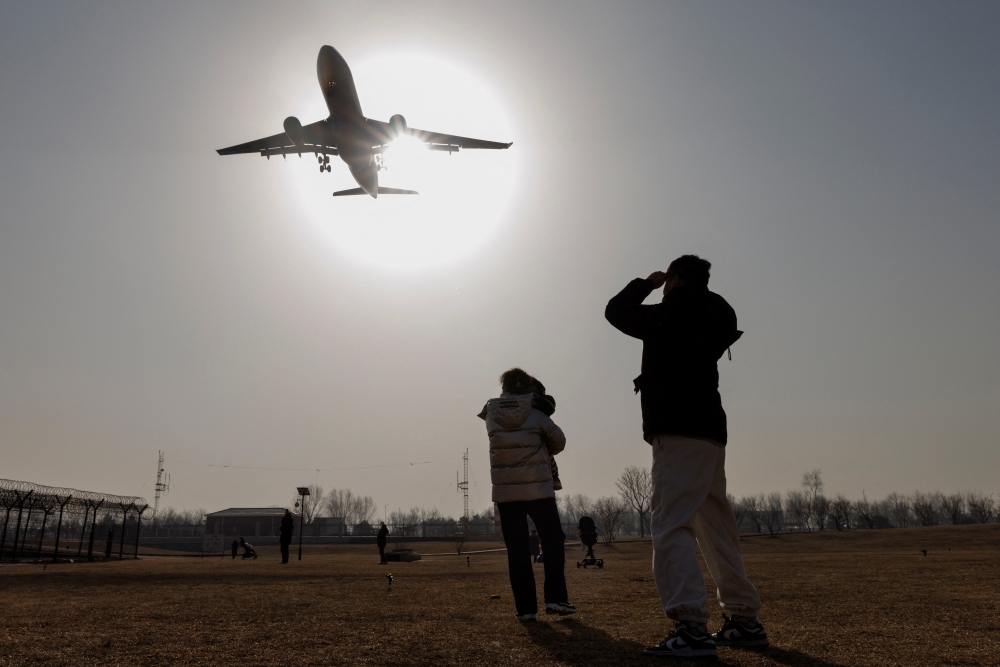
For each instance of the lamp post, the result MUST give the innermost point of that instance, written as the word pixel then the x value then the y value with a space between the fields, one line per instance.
pixel 303 491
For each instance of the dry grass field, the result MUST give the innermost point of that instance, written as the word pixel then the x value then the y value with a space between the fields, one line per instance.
pixel 853 598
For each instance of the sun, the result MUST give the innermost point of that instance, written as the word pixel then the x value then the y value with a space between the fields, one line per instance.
pixel 463 197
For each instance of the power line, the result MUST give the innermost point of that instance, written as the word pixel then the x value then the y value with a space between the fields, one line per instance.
pixel 383 465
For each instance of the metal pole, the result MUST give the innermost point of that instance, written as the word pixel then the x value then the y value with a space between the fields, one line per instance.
pixel 3 542
pixel 121 540
pixel 55 551
pixel 302 518
pixel 17 530
pixel 138 531
pixel 93 529
pixel 83 530
pixel 41 537
pixel 27 524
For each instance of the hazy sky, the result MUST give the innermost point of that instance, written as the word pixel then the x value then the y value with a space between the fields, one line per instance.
pixel 838 163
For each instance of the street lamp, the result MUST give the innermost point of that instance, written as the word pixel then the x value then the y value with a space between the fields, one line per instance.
pixel 303 491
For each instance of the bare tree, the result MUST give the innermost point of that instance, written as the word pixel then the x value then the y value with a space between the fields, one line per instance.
pixel 752 505
pixel 772 513
pixel 739 511
pixel 865 511
pixel 353 509
pixel 840 512
pixel 812 483
pixel 797 510
pixel 821 510
pixel 925 508
pixel 610 511
pixel 636 487
pixel 574 506
pixel 898 507
pixel 310 504
pixel 953 507
pixel 981 506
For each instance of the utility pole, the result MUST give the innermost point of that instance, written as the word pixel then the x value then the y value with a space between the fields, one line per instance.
pixel 162 487
pixel 303 492
pixel 464 486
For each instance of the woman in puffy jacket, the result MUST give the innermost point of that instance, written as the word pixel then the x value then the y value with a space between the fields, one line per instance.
pixel 522 438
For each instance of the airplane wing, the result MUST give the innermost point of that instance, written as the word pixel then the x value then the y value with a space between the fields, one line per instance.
pixel 280 144
pixel 385 132
pixel 438 139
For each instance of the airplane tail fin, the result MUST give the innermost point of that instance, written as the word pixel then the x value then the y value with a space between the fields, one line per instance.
pixel 381 191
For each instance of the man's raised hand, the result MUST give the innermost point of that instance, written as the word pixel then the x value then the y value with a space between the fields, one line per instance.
pixel 657 278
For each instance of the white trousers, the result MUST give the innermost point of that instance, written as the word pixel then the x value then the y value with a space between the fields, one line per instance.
pixel 689 504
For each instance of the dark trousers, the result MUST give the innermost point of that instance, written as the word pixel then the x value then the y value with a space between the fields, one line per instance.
pixel 514 523
pixel 381 555
pixel 284 550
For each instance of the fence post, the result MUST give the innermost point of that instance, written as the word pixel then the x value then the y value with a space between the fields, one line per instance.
pixel 83 529
pixel 3 542
pixel 93 529
pixel 138 530
pixel 121 540
pixel 41 537
pixel 17 530
pixel 55 551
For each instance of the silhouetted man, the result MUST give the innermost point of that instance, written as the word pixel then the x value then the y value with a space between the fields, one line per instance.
pixel 285 530
pixel 683 338
pixel 380 539
pixel 534 545
pixel 110 544
pixel 236 546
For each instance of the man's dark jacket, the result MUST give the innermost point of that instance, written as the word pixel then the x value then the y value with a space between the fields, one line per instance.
pixel 286 528
pixel 683 338
pixel 383 532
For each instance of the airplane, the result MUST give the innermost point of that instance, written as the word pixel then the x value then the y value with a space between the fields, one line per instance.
pixel 359 141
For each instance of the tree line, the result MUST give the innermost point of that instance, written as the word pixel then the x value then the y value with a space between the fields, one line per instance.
pixel 808 509
pixel 628 512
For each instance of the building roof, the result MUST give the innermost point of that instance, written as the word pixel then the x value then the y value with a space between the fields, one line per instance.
pixel 250 511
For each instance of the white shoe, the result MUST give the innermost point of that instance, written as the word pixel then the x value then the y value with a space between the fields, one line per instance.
pixel 561 608
pixel 526 617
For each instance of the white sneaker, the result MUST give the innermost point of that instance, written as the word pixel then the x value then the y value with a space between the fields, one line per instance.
pixel 561 608
pixel 687 641
pixel 526 617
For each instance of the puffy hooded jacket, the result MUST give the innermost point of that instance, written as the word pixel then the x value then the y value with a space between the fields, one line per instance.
pixel 521 440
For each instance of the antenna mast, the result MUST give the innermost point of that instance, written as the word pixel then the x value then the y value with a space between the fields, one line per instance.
pixel 162 486
pixel 464 486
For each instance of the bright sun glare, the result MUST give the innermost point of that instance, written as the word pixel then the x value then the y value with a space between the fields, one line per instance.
pixel 463 197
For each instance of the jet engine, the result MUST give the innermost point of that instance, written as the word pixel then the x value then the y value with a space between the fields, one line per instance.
pixel 293 128
pixel 398 125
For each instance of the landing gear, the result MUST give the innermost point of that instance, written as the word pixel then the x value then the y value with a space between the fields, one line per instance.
pixel 324 162
pixel 380 162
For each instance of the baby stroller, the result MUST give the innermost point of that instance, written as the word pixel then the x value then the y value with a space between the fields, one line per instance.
pixel 248 551
pixel 588 535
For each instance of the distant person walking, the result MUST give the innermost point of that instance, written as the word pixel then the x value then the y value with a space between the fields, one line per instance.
pixel 534 545
pixel 522 441
pixel 683 338
pixel 110 544
pixel 235 547
pixel 285 530
pixel 381 539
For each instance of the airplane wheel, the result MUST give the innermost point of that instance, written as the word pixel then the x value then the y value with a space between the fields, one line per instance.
pixel 328 167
